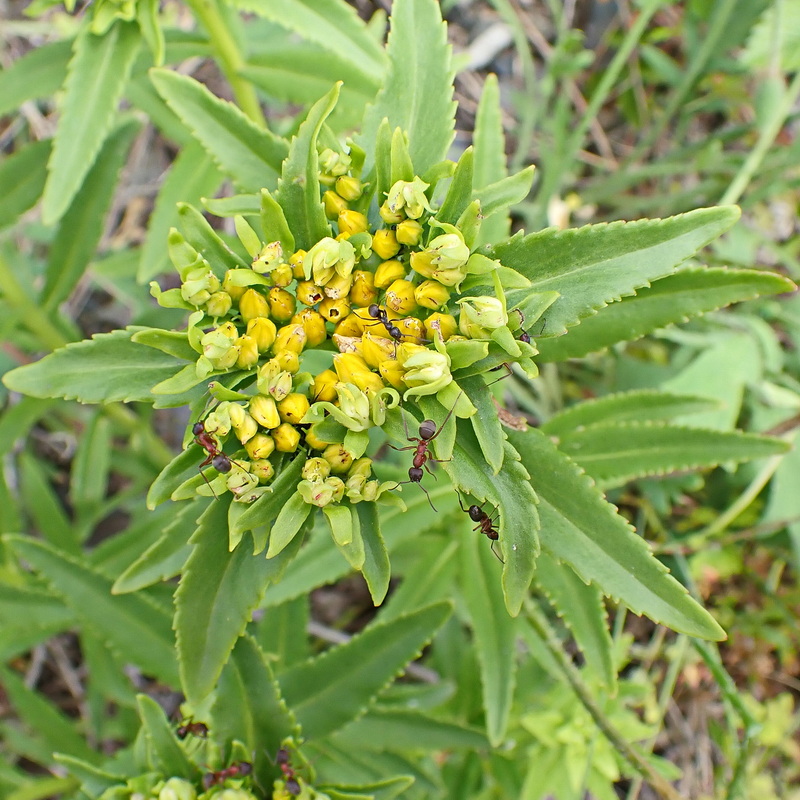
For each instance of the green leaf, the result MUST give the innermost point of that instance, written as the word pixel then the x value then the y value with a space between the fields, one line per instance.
pixel 192 175
pixel 96 75
pixel 102 369
pixel 22 176
pixel 643 405
pixel 208 243
pixel 173 475
pixel 164 746
pixel 582 529
pixel 510 491
pixel 173 343
pixel 250 155
pixel 504 193
pixel 91 466
pixel 298 188
pixel 133 626
pixel 674 299
pixel 417 93
pixel 39 73
pixel 94 781
pixel 33 608
pixel 274 223
pixel 216 596
pixel 82 225
pixel 336 687
pixel 376 568
pixel 288 523
pixel 459 193
pixel 582 610
pixel 486 423
pixel 331 24
pixel 248 707
pixel 493 631
pixel 597 264
pixel 615 453
pixel 237 205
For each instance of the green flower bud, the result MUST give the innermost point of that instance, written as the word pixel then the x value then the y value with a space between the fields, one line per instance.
pixel 444 260
pixel 177 789
pixel 262 469
pixel 409 232
pixel 384 243
pixel 246 428
pixel 248 352
pixel 260 447
pixel 218 422
pixel 270 257
pixel 337 485
pixel 253 304
pixel 316 493
pixel 426 371
pixel 333 163
pixel 408 198
pixel 361 466
pixel 286 437
pixel 234 794
pixel 480 316
pixel 348 187
pixel 240 481
pixel 219 304
pixel 274 380
pixel 316 469
pixel 230 285
pixel 338 458
pixel 353 402
pixel 198 285
pixel 328 257
pixel 262 330
pixel 431 294
pixel 265 411
pixel 333 204
pixel 219 348
pixel 354 486
pixel 282 305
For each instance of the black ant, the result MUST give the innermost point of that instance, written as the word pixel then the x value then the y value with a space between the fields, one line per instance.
pixel 199 729
pixel 379 314
pixel 486 524
pixel 427 433
pixel 236 770
pixel 282 759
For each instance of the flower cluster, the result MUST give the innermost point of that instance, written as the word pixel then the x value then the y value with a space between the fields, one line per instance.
pixel 381 306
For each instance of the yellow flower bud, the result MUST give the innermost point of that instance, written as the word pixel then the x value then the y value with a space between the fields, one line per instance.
pixel 443 324
pixel 316 469
pixel 288 360
pixel 334 310
pixel 338 458
pixel 376 349
pixel 282 305
pixel 264 471
pixel 313 324
pixel 338 286
pixel 253 304
pixel 296 263
pixel 351 325
pixel 390 217
pixel 400 297
pixel 361 466
pixel 264 411
pixel 286 437
pixel 384 243
pixel 274 380
pixel 219 304
pixel 388 272
pixel 293 407
pixel 263 330
pixel 282 276
pixel 229 286
pixel 351 222
pixel 290 337
pixel 348 365
pixel 246 429
pixel 260 446
pixel 392 373
pixel 324 386
pixel 368 381
pixel 313 441
pixel 363 292
pixel 349 187
pixel 409 232
pixel 431 294
pixel 334 204
pixel 412 329
pixel 248 352
pixel 308 293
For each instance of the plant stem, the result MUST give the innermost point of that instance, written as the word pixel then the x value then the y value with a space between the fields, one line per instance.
pixel 541 625
pixel 230 59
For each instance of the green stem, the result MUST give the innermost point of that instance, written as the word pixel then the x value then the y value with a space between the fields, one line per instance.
pixel 230 59
pixel 541 625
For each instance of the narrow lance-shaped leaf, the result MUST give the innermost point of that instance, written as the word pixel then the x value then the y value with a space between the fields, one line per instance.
pixel 597 264
pixel 674 299
pixel 250 155
pixel 417 94
pixel 336 687
pixel 96 76
pixel 163 741
pixel 376 569
pixel 39 73
pixel 22 176
pixel 582 529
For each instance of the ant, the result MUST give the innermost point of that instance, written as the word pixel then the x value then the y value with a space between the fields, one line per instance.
pixel 282 759
pixel 216 458
pixel 427 433
pixel 486 524
pixel 199 729
pixel 379 314
pixel 236 770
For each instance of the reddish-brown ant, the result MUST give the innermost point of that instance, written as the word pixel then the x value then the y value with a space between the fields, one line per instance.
pixel 216 458
pixel 427 433
pixel 199 729
pixel 486 524
pixel 236 770
pixel 282 759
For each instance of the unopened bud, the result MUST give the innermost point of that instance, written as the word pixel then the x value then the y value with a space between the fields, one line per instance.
pixel 400 297
pixel 287 360
pixel 269 258
pixel 274 380
pixel 316 469
pixel 363 292
pixel 334 204
pixel 412 329
pixel 282 305
pixel 338 458
pixel 248 352
pixel 431 294
pixel 282 276
pixel 384 243
pixel 376 349
pixel 246 428
pixel 290 337
pixel 361 466
pixel 351 325
pixel 231 287
pixel 253 304
pixel 351 222
pixel 409 232
pixel 314 441
pixel 338 286
pixel 262 469
pixel 348 365
pixel 392 373
pixel 296 263
pixel 265 411
pixel 324 386
pixel 313 324
pixel 293 407
pixel 349 187
pixel 263 331
pixel 198 285
pixel 177 789
pixel 388 272
pixel 286 437
pixel 260 446
pixel 308 293
pixel 219 304
pixel 444 325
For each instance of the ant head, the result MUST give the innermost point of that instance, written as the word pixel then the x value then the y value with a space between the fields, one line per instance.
pixel 198 428
pixel 221 463
pixel 374 311
pixel 427 429
pixel 245 768
pixel 415 474
pixel 475 513
pixel 525 337
pixel 282 756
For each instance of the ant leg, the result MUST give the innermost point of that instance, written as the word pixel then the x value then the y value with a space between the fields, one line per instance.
pixel 208 483
pixel 495 554
pixel 508 374
pixel 465 510
pixel 400 449
pixel 449 414
pixel 428 496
